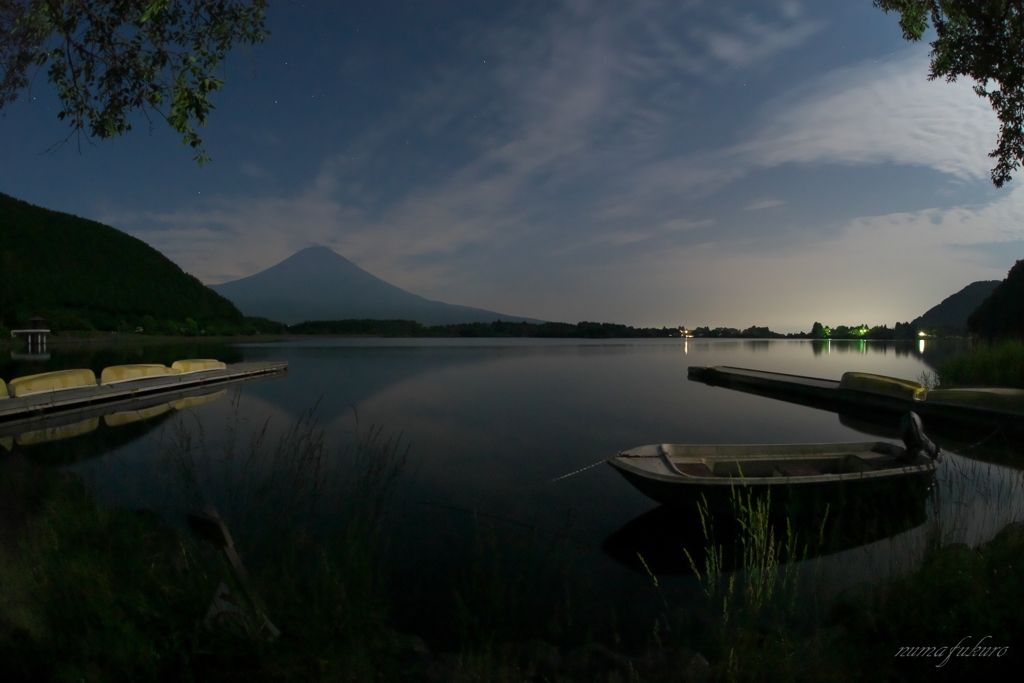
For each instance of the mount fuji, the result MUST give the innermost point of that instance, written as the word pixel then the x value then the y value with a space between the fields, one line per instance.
pixel 316 283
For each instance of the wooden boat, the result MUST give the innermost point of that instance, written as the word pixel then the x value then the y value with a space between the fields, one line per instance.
pixel 799 478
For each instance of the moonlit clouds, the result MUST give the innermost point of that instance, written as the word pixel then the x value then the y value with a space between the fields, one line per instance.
pixel 576 167
pixel 877 113
pixel 764 204
pixel 874 270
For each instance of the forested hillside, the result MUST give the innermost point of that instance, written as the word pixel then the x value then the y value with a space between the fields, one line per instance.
pixel 1001 315
pixel 80 274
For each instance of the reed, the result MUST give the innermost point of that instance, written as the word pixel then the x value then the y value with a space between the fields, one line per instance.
pixel 996 365
pixel 762 578
pixel 94 594
pixel 519 585
pixel 309 522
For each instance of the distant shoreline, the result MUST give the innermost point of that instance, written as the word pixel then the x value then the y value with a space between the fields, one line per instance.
pixel 107 340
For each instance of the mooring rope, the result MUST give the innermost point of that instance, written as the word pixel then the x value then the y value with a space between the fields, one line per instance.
pixel 476 511
pixel 573 473
pixel 973 445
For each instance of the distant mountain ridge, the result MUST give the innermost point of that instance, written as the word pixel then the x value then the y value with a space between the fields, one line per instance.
pixel 952 313
pixel 317 283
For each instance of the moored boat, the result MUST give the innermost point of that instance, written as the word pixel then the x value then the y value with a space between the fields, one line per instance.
pixel 798 478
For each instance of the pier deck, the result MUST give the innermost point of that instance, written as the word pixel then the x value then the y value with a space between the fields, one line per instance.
pixel 826 394
pixel 24 409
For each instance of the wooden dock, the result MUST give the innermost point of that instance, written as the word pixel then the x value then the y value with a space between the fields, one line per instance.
pixel 127 395
pixel 826 394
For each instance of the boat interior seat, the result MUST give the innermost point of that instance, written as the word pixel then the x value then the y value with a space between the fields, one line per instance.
pixel 853 463
pixel 752 468
pixel 798 469
pixel 885 463
pixel 694 469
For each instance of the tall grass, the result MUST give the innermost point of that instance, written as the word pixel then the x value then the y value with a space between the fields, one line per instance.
pixel 759 581
pixel 995 365
pixel 309 522
pixel 756 599
pixel 962 583
pixel 94 594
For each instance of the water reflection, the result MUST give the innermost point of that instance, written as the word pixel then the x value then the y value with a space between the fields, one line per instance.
pixel 995 444
pixel 94 432
pixel 493 423
pixel 129 416
pixel 664 540
pixel 47 434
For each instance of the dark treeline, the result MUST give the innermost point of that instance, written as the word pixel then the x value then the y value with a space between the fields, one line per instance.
pixel 585 330
pixel 498 328
pixel 819 331
pixel 752 332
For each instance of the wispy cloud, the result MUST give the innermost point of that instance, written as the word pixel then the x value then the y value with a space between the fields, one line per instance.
pixel 879 113
pixel 573 167
pixel 753 40
pixel 578 112
pixel 874 269
pixel 765 204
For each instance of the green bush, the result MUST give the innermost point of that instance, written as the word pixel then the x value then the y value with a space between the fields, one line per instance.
pixel 992 365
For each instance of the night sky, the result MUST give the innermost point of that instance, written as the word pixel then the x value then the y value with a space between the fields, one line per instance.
pixel 642 162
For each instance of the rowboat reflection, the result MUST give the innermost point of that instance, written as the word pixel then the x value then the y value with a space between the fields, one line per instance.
pixel 663 536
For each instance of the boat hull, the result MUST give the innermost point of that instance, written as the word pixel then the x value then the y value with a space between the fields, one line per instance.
pixel 803 499
pixel 797 480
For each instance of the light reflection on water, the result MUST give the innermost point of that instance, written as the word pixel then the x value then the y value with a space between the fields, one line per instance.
pixel 491 422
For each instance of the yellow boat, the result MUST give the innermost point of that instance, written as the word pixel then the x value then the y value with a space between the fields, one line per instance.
pixel 880 384
pixel 52 381
pixel 127 373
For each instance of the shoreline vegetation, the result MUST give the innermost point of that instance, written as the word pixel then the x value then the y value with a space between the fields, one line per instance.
pixel 991 364
pixel 143 583
pixel 148 328
pixel 986 365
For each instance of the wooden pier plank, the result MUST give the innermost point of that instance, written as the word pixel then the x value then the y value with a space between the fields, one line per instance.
pixel 50 402
pixel 828 395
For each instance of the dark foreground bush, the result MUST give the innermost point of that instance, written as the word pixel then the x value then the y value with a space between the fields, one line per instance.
pixel 986 365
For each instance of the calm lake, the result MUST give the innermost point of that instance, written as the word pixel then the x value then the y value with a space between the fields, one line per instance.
pixel 492 425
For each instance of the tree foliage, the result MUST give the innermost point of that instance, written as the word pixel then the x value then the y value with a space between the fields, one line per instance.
pixel 982 39
pixel 109 58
